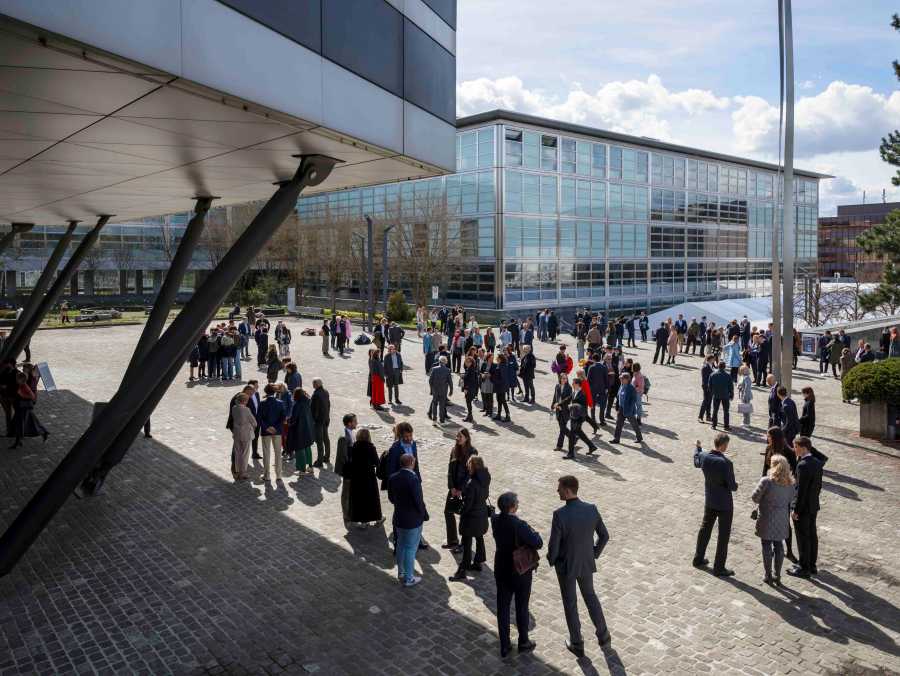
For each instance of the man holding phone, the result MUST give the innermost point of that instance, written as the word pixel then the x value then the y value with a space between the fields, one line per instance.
pixel 718 473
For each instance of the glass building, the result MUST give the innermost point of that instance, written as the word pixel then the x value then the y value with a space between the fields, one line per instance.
pixel 547 213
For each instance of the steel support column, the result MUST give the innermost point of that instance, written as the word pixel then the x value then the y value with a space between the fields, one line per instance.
pixel 160 367
pixel 789 232
pixel 18 341
pixel 15 229
pixel 44 280
pixel 150 334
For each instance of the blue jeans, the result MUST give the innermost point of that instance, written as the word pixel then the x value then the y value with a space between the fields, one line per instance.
pixel 406 547
pixel 237 367
pixel 227 367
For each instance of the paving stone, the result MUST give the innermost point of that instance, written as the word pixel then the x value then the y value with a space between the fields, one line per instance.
pixel 176 569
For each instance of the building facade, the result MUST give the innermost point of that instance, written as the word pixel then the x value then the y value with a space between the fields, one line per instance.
pixel 544 213
pixel 839 253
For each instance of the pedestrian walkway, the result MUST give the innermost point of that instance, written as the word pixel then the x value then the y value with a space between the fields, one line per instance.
pixel 176 569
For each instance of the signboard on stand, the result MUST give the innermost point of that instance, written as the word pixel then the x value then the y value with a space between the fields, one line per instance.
pixel 292 299
pixel 46 377
pixel 434 292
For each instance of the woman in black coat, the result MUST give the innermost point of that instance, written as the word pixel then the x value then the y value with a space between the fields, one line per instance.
pixel 300 436
pixel 808 416
pixel 473 520
pixel 203 355
pixel 457 477
pixel 499 379
pixel 365 503
pixel 470 382
pixel 562 398
pixel 526 371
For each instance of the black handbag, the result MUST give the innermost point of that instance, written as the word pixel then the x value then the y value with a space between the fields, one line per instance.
pixel 455 504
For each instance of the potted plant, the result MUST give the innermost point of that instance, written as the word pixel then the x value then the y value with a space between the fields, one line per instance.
pixel 877 386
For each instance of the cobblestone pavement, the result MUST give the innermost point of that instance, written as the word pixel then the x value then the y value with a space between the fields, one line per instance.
pixel 178 570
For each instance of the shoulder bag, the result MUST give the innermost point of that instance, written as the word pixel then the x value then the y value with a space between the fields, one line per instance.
pixel 525 558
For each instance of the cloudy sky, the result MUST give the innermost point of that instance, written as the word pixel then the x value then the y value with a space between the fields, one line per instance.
pixel 699 72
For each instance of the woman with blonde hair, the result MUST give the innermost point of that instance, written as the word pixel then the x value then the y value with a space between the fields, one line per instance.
pixel 773 494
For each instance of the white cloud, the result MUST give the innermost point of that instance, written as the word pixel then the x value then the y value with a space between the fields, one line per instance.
pixel 634 106
pixel 844 117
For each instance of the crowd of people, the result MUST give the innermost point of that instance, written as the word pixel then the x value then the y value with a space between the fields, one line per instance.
pixel 18 394
pixel 493 367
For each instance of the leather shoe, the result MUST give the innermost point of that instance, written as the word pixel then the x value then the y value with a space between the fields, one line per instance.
pixel 700 564
pixel 505 650
pixel 797 571
pixel 575 648
pixel 450 545
pixel 724 572
pixel 458 576
pixel 527 646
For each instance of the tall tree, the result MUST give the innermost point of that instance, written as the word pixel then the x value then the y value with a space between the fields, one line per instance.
pixel 890 145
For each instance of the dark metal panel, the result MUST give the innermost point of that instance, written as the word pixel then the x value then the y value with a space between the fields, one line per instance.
pixel 429 73
pixel 299 20
pixel 366 37
pixel 446 9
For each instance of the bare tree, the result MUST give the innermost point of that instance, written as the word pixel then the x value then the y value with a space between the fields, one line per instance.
pixel 420 242
pixel 327 248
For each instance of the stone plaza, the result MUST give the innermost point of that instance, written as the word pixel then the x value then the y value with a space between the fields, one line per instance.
pixel 177 569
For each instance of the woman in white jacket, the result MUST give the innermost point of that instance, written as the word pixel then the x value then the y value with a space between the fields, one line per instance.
pixel 745 391
pixel 242 431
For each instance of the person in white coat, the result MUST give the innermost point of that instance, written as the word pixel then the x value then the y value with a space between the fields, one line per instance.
pixel 243 429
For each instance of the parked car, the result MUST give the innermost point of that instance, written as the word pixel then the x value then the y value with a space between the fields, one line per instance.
pixel 97 314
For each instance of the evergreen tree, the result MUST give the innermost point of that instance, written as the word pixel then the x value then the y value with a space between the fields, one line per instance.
pixel 884 238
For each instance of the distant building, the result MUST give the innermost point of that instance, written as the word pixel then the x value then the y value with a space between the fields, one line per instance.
pixel 838 251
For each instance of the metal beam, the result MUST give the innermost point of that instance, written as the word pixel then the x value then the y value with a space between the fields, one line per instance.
pixel 165 299
pixel 789 235
pixel 17 342
pixel 160 366
pixel 15 229
pixel 44 280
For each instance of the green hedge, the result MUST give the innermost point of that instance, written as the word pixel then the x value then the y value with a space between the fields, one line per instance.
pixel 873 381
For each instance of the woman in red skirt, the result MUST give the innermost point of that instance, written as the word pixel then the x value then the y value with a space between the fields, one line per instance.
pixel 376 381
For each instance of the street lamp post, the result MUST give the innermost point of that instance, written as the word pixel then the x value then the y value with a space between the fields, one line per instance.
pixel 367 324
pixel 384 265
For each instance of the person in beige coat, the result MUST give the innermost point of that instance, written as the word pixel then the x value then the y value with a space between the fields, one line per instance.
pixel 242 431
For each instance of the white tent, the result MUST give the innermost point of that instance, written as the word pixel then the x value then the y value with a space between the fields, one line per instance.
pixel 757 310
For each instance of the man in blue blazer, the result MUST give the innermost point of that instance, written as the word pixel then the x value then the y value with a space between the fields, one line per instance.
pixel 405 493
pixel 790 421
pixel 718 473
pixel 628 398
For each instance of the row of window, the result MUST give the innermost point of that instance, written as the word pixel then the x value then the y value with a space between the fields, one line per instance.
pixel 525 237
pixel 548 152
pixel 526 282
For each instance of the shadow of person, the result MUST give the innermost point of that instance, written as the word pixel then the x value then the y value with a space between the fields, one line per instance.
pixel 385 416
pixel 652 429
pixel 371 545
pixel 594 464
pixel 842 491
pixel 308 489
pixel 614 662
pixel 403 409
pixel 650 453
pixel 330 481
pixel 844 479
pixel 518 429
pixel 277 495
pixel 867 604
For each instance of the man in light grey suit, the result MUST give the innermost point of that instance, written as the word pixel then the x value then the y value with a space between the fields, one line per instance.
pixel 572 552
pixel 441 382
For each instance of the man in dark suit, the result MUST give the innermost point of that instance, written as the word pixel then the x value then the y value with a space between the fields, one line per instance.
pixel 662 339
pixel 440 380
pixel 706 405
pixel 722 389
pixel 790 421
pixel 572 552
pixel 774 402
pixel 597 375
pixel 320 408
pixel 395 336
pixel 405 493
pixel 810 464
pixel 393 374
pixel 510 532
pixel 718 473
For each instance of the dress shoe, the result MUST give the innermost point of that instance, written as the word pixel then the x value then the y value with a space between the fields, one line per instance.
pixel 604 640
pixel 458 576
pixel 569 456
pixel 797 571
pixel 527 646
pixel 615 441
pixel 575 648
pixel 700 564
pixel 450 545
pixel 591 450
pixel 724 572
pixel 505 650
pixel 399 403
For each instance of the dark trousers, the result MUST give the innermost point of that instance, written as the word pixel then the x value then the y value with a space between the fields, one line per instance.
pixel 643 335
pixel 563 422
pixel 734 373
pixel 480 556
pixel 691 344
pixel 611 399
pixel 529 389
pixel 807 541
pixel 660 351
pixel 585 584
pixel 470 397
pixel 761 371
pixel 716 402
pixel 323 443
pixel 706 405
pixel 599 399
pixel 487 402
pixel 575 433
pixel 501 403
pixel 709 517
pixel 450 522
pixel 393 392
pixel 456 359
pixel 255 445
pixel 439 407
pixel 631 342
pixel 702 347
pixel 620 423
pixel 823 363
pixel 518 586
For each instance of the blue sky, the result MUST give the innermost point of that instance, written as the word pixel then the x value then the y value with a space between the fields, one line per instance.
pixel 697 72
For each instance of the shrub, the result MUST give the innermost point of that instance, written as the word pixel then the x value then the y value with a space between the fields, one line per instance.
pixel 398 309
pixel 874 381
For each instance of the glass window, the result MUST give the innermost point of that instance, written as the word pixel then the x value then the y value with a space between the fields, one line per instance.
pixel 627 279
pixel 513 147
pixel 628 202
pixel 429 70
pixel 628 164
pixel 733 211
pixel 731 243
pixel 548 238
pixel 692 175
pixel 567 197
pixel 512 282
pixel 567 239
pixel 667 205
pixel 467 146
pixel 713 176
pixel 485 147
pixel 667 242
pixel 567 156
pixel 701 242
pixel 532 157
pixel 597 197
pixel 597 158
pixel 531 193
pixel 666 278
pixel 548 152
pixel 548 195
pixel 627 240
